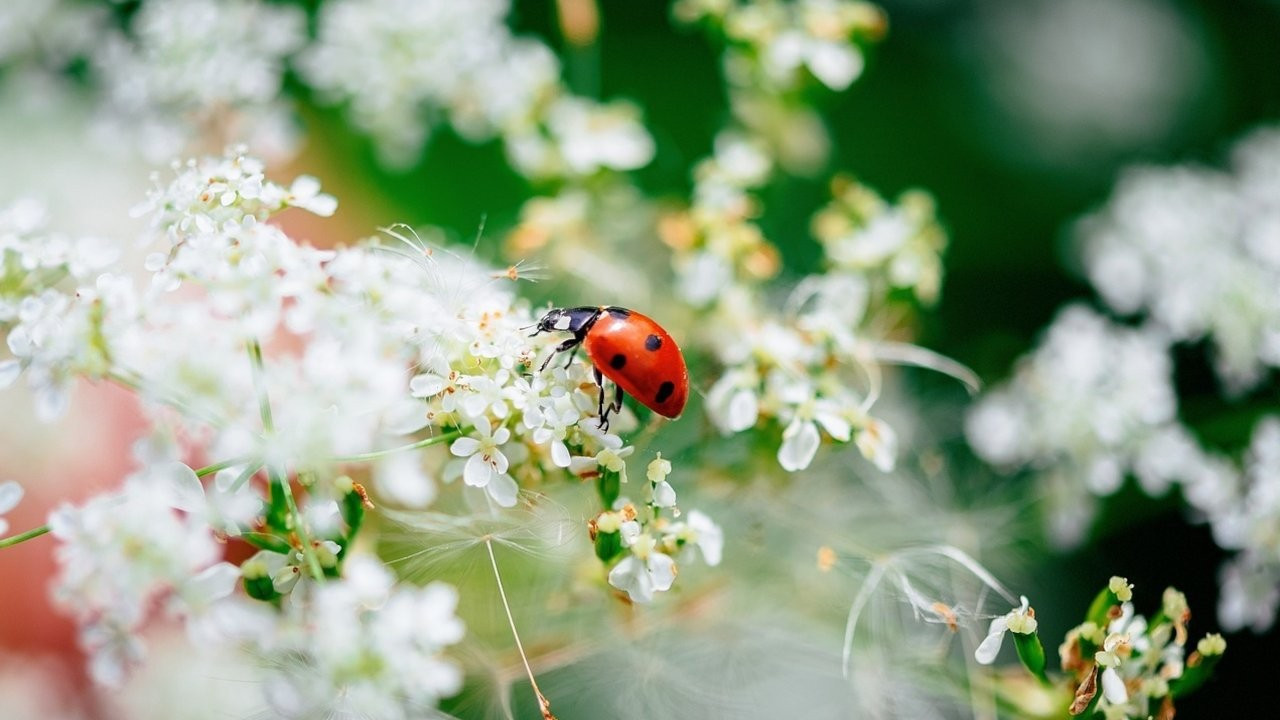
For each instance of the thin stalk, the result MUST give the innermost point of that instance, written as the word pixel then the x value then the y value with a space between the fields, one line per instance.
pixel 377 454
pixel 23 537
pixel 543 704
pixel 308 552
pixel 273 473
pixel 220 466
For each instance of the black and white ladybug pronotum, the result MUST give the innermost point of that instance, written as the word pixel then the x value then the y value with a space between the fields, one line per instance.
pixel 628 348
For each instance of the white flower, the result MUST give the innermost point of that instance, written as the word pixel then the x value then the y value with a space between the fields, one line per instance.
pixel 1085 404
pixel 486 464
pixel 184 61
pixel 401 477
pixel 592 136
pixel 1017 620
pixel 115 555
pixel 644 570
pixel 381 654
pixel 878 443
pixel 700 531
pixel 10 496
pixel 1194 250
pixel 732 402
pixel 664 496
pixel 611 456
pixel 799 445
pixel 398 64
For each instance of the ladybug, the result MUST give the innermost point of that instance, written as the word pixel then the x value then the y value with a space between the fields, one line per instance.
pixel 628 348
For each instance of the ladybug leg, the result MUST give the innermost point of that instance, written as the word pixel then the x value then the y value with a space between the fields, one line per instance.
pixel 617 398
pixel 570 344
pixel 602 411
pixel 572 355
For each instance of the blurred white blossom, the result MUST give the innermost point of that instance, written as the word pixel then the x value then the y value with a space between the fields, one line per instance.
pixel 1082 409
pixel 380 653
pixel 185 67
pixel 1250 524
pixel 10 495
pixel 401 66
pixel 119 553
pixel 1195 250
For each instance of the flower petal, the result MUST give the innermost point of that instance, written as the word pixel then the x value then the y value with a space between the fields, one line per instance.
pixel 464 446
pixel 743 411
pixel 426 385
pixel 664 496
pixel 630 576
pixel 10 495
pixel 990 647
pixel 503 489
pixel 662 570
pixel 477 473
pixel 799 445
pixel 560 453
pixel 1113 687
pixel 9 371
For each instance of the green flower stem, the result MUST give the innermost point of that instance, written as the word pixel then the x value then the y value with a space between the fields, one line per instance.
pixel 220 466
pixel 23 537
pixel 264 401
pixel 308 552
pixel 428 442
pixel 273 473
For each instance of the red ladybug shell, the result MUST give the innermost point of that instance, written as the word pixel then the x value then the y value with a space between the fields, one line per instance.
pixel 641 358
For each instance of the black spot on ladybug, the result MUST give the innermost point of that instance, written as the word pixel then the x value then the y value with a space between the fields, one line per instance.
pixel 664 390
pixel 617 362
pixel 619 312
pixel 652 343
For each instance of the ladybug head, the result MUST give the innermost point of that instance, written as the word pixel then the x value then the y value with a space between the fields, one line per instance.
pixel 574 320
pixel 555 319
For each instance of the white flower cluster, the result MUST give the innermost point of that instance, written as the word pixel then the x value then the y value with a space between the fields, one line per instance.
pixel 1194 251
pixel 54 30
pixel 716 241
pixel 650 541
pixel 364 646
pixel 402 66
pixel 1095 403
pixel 50 333
pixel 186 66
pixel 122 551
pixel 1092 402
pixel 1128 667
pixel 801 368
pixel 808 368
pixel 364 345
pixel 774 40
pixel 773 49
pixel 1248 521
pixel 889 247
pixel 1198 251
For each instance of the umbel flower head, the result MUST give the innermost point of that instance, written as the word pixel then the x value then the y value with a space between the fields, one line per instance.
pixel 392 350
